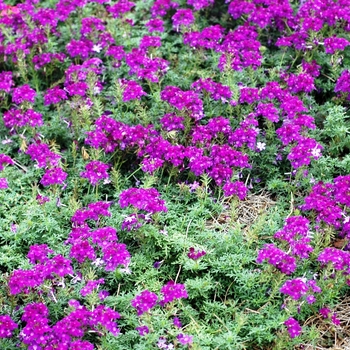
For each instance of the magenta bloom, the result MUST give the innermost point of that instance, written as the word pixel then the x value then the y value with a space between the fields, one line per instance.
pixel 54 176
pixel 143 330
pixel 183 17
pixel 143 199
pixel 293 327
pixel 95 172
pixel 185 338
pixel 195 255
pixel 23 93
pixel 172 291
pixel 90 286
pixel 144 302
pixel 7 325
pixel 3 183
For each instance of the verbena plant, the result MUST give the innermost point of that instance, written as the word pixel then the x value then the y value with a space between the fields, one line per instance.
pixel 139 141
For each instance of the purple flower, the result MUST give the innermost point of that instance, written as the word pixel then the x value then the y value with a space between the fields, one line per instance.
pixel 183 17
pixel 278 258
pixel 237 188
pixel 38 253
pixel 143 330
pixel 4 159
pixel 54 96
pixel 142 199
pixel 7 325
pixel 115 254
pixel 121 7
pixel 54 176
pixel 185 338
pixel 6 81
pixel 131 90
pixel 295 288
pixel 177 322
pixel 144 301
pixel 161 7
pixel 90 286
pixel 42 154
pixel 200 4
pixel 23 93
pixel 95 172
pixel 192 254
pixel 3 183
pixel 293 327
pixel 103 294
pixel 333 44
pixel 155 25
pixel 172 291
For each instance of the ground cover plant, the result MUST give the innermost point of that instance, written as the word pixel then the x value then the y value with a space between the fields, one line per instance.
pixel 174 174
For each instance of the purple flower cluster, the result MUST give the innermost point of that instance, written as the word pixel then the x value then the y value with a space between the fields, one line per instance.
pixel 145 67
pixel 208 38
pixel 54 96
pixel 195 255
pixel 90 286
pixel 339 259
pixel 184 339
pixel 93 212
pixel 155 25
pixel 172 291
pixel 23 93
pixel 53 176
pixel 183 100
pixel 240 49
pixel 300 287
pixel 343 83
pixel 200 4
pixel 69 331
pixel 171 121
pixel 147 199
pixel 183 18
pixel 303 82
pixel 6 81
pixel 144 301
pixel 216 91
pixel 326 200
pixel 76 82
pixel 23 281
pixel 45 58
pixel 120 8
pixel 40 152
pixel 80 48
pixel 7 326
pixel 86 243
pixel 161 7
pixel 236 188
pixel 16 118
pixel 325 312
pixel 150 41
pixel 297 234
pixel 278 258
pixel 293 327
pixel 333 44
pixel 95 171
pixel 110 134
pixel 131 90
pixel 4 159
pixel 261 14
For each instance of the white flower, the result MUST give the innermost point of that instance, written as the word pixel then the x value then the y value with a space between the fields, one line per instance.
pixel 261 146
pixel 316 152
pixel 97 48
